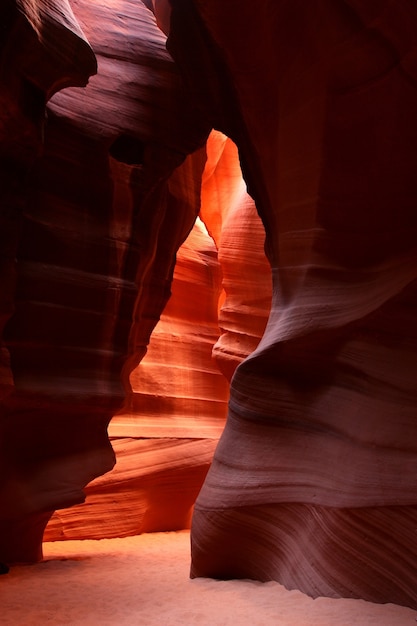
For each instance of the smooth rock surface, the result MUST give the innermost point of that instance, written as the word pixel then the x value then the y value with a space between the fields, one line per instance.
pixel 42 49
pixel 313 481
pixel 165 436
pixel 177 390
pixel 231 217
pixel 105 208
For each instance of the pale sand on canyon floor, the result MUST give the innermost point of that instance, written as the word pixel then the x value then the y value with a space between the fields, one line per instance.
pixel 144 580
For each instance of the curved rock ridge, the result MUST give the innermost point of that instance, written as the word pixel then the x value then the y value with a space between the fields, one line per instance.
pixel 319 97
pixel 230 215
pixel 107 205
pixel 62 57
pixel 349 552
pixel 152 488
pixel 177 390
pixel 164 438
pixel 33 66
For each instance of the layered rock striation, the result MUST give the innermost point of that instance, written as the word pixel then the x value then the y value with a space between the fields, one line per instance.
pixel 166 433
pixel 313 482
pixel 231 217
pixel 42 50
pixel 100 197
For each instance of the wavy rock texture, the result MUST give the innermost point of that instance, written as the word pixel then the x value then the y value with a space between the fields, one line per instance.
pixel 107 205
pixel 166 435
pixel 313 482
pixel 231 217
pixel 152 488
pixel 41 50
pixel 177 390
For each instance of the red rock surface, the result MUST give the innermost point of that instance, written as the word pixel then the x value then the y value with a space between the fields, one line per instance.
pixel 313 482
pixel 42 50
pixel 105 208
pixel 231 217
pixel 165 436
pixel 177 390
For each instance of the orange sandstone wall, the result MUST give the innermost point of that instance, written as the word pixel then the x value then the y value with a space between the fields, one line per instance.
pixel 165 436
pixel 230 215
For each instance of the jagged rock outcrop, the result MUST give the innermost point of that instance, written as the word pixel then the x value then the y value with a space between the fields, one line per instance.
pixel 313 481
pixel 106 205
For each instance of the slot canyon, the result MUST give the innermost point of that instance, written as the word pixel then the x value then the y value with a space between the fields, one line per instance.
pixel 208 266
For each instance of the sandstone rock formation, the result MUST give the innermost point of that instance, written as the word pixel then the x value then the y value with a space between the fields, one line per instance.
pixel 42 50
pixel 313 481
pixel 94 229
pixel 165 436
pixel 177 390
pixel 230 215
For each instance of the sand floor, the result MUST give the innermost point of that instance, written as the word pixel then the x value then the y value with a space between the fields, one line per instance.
pixel 144 580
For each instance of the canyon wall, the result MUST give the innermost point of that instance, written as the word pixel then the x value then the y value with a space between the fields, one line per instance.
pixel 42 50
pixel 113 185
pixel 313 482
pixel 101 187
pixel 165 435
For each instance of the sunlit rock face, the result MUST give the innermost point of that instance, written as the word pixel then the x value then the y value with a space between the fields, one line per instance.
pixel 314 479
pixel 177 388
pixel 94 229
pixel 165 436
pixel 230 215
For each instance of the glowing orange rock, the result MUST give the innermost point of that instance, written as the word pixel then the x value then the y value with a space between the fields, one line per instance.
pixel 230 214
pixel 165 438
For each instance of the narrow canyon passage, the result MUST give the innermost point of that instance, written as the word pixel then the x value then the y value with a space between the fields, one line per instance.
pixel 257 162
pixel 165 435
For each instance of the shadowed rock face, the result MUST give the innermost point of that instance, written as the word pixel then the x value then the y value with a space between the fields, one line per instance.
pixel 42 50
pixel 314 479
pixel 93 221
